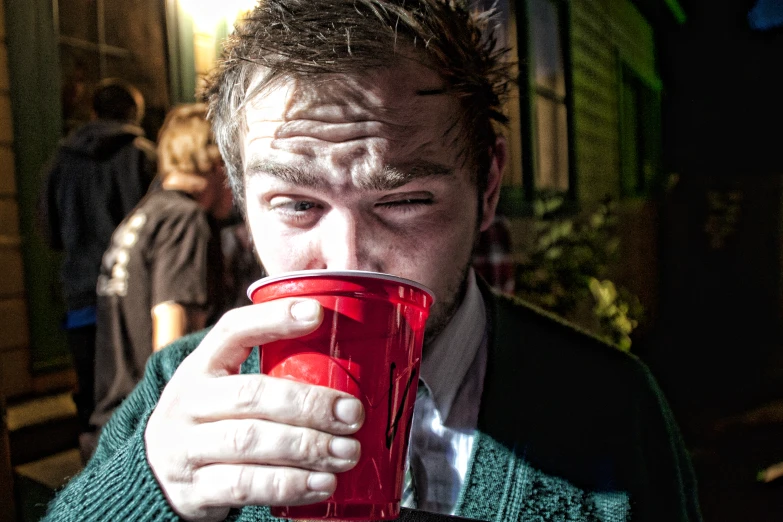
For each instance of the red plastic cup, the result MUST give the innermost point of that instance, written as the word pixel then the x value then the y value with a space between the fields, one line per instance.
pixel 369 345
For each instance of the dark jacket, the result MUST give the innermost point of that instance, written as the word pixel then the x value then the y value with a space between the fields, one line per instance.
pixel 99 173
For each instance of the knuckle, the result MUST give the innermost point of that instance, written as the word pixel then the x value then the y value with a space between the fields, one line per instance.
pixel 307 446
pixel 192 458
pixel 308 399
pixel 249 393
pixel 241 487
pixel 245 438
pixel 317 446
pixel 280 486
pixel 298 445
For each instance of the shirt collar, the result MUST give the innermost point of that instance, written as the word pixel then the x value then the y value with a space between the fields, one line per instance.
pixel 448 358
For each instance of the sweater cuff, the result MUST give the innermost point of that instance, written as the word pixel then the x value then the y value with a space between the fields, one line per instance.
pixel 121 487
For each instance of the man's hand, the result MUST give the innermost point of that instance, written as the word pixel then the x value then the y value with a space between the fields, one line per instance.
pixel 218 439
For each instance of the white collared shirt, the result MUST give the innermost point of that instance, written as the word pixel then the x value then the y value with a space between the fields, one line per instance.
pixel 445 419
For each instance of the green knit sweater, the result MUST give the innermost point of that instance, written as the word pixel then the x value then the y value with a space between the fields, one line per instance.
pixel 570 429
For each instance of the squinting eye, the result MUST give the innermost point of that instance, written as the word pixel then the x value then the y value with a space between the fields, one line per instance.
pixel 405 202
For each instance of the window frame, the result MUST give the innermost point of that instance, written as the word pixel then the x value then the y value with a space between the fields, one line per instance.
pixel 641 179
pixel 516 199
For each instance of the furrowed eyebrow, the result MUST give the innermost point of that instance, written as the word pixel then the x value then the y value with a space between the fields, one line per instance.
pixel 291 175
pixel 391 177
pixel 396 176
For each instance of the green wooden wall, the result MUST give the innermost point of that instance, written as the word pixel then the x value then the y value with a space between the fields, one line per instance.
pixel 35 98
pixel 182 68
pixel 608 37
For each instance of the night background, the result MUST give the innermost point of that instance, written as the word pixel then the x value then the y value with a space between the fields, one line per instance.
pixel 665 115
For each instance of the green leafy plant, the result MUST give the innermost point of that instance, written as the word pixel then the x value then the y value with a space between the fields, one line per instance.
pixel 616 311
pixel 566 267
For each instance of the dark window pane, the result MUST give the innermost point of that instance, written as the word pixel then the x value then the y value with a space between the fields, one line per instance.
pixel 630 143
pixel 121 21
pixel 79 19
pixel 137 26
pixel 552 141
pixel 133 23
pixel 80 73
pixel 547 49
pixel 123 67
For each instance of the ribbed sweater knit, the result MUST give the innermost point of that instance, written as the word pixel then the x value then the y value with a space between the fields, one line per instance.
pixel 570 429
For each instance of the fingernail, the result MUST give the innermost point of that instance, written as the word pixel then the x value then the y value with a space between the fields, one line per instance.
pixel 305 311
pixel 321 482
pixel 344 448
pixel 348 410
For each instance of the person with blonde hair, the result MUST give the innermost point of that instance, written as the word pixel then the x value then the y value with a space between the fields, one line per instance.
pixel 161 275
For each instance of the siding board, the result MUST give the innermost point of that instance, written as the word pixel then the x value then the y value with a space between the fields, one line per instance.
pixel 7 175
pixel 9 217
pixel 12 270
pixel 15 330
pixel 15 372
pixel 604 35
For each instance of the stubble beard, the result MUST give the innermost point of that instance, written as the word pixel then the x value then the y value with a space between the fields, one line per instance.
pixel 444 309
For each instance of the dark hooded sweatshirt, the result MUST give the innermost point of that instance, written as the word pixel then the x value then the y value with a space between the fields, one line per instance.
pixel 100 172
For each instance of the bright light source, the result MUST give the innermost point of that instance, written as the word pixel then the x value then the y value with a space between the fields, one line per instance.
pixel 236 8
pixel 207 14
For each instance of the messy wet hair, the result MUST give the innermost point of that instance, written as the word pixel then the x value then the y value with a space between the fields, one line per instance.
pixel 302 39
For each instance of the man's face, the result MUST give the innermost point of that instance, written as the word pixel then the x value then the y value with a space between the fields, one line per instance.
pixel 368 173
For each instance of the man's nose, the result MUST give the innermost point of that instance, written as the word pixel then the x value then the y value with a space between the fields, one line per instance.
pixel 342 243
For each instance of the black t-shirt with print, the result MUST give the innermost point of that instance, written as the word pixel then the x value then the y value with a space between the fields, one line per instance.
pixel 167 249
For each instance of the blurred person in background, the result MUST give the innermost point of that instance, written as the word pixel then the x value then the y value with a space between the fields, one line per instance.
pixel 241 267
pixel 98 174
pixel 162 275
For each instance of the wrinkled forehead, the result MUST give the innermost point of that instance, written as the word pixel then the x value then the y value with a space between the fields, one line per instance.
pixel 408 72
pixel 404 102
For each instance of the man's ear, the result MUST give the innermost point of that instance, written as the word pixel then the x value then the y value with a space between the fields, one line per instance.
pixel 497 164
